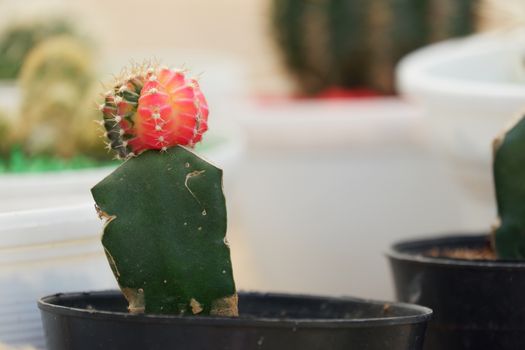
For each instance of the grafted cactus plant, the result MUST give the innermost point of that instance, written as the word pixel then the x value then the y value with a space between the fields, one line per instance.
pixel 164 207
pixel 509 180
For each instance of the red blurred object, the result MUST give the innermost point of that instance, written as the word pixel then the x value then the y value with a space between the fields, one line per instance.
pixel 343 93
pixel 333 93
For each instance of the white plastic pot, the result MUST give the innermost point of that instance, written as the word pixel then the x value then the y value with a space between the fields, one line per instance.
pixel 470 89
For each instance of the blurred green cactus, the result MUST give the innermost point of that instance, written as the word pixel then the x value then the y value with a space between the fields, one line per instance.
pixel 58 112
pixel 5 134
pixel 19 38
pixel 357 43
pixel 509 180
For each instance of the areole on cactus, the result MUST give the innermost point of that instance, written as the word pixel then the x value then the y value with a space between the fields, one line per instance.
pixel 164 207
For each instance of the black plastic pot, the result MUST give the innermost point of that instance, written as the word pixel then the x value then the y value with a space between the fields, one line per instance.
pixel 478 304
pixel 99 320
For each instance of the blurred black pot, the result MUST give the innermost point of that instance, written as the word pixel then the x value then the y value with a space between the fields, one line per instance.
pixel 478 304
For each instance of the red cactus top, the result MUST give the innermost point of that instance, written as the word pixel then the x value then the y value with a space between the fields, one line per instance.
pixel 155 109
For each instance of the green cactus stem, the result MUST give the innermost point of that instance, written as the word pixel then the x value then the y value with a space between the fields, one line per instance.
pixel 509 181
pixel 165 234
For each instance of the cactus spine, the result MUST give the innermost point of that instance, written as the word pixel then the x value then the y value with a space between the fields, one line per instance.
pixel 164 207
pixel 356 43
pixel 509 181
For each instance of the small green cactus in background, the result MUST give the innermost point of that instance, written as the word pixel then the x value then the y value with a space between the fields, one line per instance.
pixel 19 38
pixel 57 81
pixel 357 43
pixel 5 134
pixel 509 180
pixel 164 207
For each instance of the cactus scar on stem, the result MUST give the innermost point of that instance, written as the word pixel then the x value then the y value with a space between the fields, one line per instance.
pixel 196 307
pixel 135 298
pixel 112 262
pixel 103 215
pixel 107 219
pixel 188 177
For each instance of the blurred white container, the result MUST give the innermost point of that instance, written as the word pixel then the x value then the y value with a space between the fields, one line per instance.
pixel 33 191
pixel 42 252
pixel 470 89
pixel 326 186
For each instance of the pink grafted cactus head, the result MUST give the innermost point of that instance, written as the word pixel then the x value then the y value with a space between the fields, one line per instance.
pixel 171 111
pixel 154 108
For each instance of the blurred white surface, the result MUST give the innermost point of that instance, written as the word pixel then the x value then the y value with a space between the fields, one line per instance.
pixel 326 186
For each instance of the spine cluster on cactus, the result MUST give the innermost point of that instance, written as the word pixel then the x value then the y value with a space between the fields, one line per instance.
pixel 154 108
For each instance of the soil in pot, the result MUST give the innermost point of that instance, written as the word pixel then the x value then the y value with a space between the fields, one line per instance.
pixel 478 301
pixel 100 320
pixel 485 252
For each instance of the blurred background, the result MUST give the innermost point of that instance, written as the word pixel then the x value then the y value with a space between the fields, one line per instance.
pixel 341 125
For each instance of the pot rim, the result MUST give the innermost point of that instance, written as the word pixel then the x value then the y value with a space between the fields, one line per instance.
pixel 399 251
pixel 420 314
